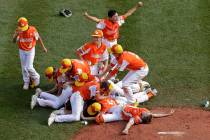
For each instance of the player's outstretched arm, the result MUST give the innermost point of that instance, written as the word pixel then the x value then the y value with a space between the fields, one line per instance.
pixel 159 115
pixel 132 10
pixel 92 18
pixel 128 126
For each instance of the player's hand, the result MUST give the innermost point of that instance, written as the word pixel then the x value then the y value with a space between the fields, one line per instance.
pixel 17 30
pixel 125 132
pixel 45 50
pixel 85 13
pixel 172 111
pixel 140 4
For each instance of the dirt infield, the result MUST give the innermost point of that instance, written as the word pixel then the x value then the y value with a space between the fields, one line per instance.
pixel 191 124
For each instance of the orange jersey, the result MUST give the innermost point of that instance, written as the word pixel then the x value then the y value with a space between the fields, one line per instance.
pixel 130 61
pixel 88 90
pixel 91 53
pixel 107 103
pixel 134 112
pixel 27 39
pixel 79 67
pixel 110 29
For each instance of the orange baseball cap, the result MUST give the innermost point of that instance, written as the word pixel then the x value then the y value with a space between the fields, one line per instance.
pixel 23 24
pixel 97 33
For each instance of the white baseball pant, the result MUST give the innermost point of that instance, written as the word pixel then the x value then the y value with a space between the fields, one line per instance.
pixel 135 76
pixel 114 114
pixel 109 43
pixel 49 100
pixel 77 104
pixel 28 71
pixel 117 88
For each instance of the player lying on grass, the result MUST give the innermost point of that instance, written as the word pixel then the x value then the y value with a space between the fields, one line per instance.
pixel 130 113
pixel 46 99
pixel 70 70
pixel 83 90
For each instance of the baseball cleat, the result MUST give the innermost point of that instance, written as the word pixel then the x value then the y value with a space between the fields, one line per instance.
pixel 38 91
pixel 51 119
pixel 36 82
pixel 154 91
pixel 26 86
pixel 33 101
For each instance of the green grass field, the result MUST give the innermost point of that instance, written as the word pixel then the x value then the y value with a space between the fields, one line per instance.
pixel 173 36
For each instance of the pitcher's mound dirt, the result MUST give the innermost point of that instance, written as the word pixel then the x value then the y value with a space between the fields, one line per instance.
pixel 193 124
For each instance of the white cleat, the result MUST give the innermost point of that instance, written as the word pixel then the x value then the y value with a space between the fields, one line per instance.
pixel 26 86
pixel 154 91
pixel 38 91
pixel 33 101
pixel 51 119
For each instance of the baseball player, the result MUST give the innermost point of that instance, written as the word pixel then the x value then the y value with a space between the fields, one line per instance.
pixel 95 53
pixel 82 91
pixel 54 74
pixel 46 99
pixel 110 26
pixel 125 60
pixel 69 70
pixel 109 89
pixel 77 68
pixel 26 37
pixel 130 113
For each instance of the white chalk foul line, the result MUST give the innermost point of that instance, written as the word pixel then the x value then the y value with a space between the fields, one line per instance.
pixel 171 133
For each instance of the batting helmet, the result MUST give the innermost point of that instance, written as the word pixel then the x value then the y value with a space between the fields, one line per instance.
pixel 49 71
pixel 116 49
pixel 94 108
pixel 80 79
pixel 65 64
pixel 23 24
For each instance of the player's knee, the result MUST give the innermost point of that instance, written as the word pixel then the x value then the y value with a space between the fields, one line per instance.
pixel 56 105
